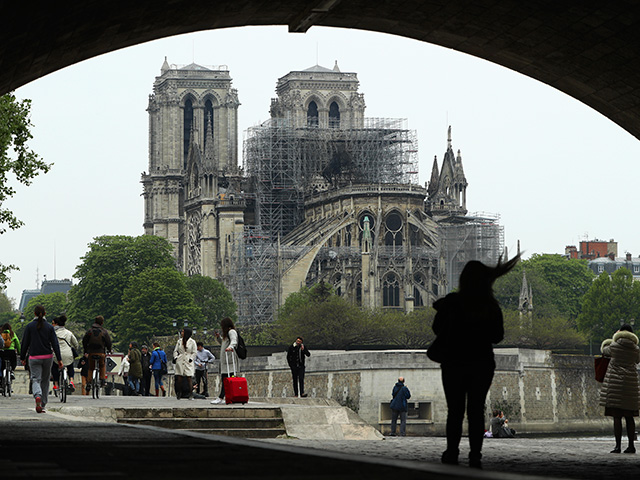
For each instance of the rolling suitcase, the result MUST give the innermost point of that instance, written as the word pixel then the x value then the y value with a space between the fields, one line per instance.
pixel 235 388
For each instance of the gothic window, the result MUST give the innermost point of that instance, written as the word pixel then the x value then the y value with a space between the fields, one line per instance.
pixel 418 287
pixel 187 124
pixel 208 118
pixel 334 115
pixel 393 224
pixel 359 292
pixel 391 291
pixel 312 115
pixel 347 236
pixel 416 235
pixel 434 289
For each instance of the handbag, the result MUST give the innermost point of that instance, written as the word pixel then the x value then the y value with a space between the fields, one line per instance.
pixel 601 364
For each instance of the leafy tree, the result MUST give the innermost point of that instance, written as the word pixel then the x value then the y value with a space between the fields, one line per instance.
pixel 610 301
pixel 5 304
pixel 106 269
pixel 150 303
pixel 549 333
pixel 54 304
pixel 17 161
pixel 558 285
pixel 213 298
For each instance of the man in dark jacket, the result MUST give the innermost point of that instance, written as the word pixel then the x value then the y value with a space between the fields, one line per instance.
pixel 399 406
pixel 295 358
pixel 145 360
pixel 97 342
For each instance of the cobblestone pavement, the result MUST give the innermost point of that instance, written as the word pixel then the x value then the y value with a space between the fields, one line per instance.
pixel 578 458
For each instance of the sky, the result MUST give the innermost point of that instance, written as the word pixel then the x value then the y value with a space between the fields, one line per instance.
pixel 555 170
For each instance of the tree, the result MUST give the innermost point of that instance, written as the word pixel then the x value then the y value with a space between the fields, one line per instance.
pixel 549 333
pixel 150 303
pixel 17 161
pixel 213 299
pixel 54 305
pixel 611 301
pixel 558 285
pixel 5 304
pixel 106 269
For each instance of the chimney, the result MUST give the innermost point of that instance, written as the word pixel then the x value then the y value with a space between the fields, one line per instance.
pixel 611 256
pixel 628 257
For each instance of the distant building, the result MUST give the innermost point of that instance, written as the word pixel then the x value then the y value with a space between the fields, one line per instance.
pixel 592 249
pixel 610 265
pixel 48 286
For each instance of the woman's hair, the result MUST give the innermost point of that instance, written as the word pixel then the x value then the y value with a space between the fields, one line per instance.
pixel 134 344
pixel 61 320
pixel 156 344
pixel 226 324
pixel 7 326
pixel 627 328
pixel 477 278
pixel 187 335
pixel 39 313
pixel 99 320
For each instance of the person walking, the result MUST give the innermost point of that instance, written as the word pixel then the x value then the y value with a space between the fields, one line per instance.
pixel 145 361
pixel 158 368
pixel 228 342
pixel 40 343
pixel 96 343
pixel 399 406
pixel 135 368
pixel 467 324
pixel 183 356
pixel 123 372
pixel 295 358
pixel 68 345
pixel 620 393
pixel 203 358
pixel 9 347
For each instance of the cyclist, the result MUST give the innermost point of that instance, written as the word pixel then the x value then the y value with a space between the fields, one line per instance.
pixel 68 345
pixel 97 342
pixel 11 345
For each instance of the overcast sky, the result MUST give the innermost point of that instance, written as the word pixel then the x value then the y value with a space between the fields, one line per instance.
pixel 556 171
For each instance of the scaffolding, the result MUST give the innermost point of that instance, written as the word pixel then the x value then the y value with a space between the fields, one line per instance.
pixel 289 164
pixel 477 236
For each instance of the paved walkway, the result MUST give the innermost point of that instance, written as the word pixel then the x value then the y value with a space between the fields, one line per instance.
pixel 53 445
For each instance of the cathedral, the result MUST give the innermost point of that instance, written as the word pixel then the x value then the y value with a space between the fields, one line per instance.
pixel 324 194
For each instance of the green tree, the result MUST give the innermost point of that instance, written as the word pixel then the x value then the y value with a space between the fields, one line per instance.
pixel 150 303
pixel 18 163
pixel 549 333
pixel 5 304
pixel 106 269
pixel 213 298
pixel 610 301
pixel 54 304
pixel 558 285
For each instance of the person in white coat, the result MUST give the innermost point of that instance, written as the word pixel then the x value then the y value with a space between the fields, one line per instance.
pixel 68 343
pixel 228 342
pixel 183 356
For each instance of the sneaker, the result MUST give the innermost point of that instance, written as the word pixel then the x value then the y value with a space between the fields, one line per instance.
pixel 304 395
pixel 216 401
pixel 39 407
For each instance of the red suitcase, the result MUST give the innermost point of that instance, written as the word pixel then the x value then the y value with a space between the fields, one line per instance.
pixel 235 388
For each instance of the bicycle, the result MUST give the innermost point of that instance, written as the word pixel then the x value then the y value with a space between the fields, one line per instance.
pixel 63 385
pixel 95 377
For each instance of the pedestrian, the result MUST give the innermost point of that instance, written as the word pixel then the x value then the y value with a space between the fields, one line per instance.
pixel 183 356
pixel 96 343
pixel 123 372
pixel 203 358
pixel 11 347
pixel 500 426
pixel 228 342
pixel 39 341
pixel 158 368
pixel 295 359
pixel 68 348
pixel 399 406
pixel 467 324
pixel 145 361
pixel 620 393
pixel 135 368
pixel 83 365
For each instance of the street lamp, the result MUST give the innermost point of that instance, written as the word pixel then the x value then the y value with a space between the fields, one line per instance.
pixel 186 323
pixel 175 323
pixel 21 317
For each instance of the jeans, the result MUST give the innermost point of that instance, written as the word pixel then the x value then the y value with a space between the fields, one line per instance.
pixel 40 373
pixel 298 378
pixel 145 385
pixel 157 376
pixel 466 386
pixel 403 421
pixel 202 381
pixel 134 384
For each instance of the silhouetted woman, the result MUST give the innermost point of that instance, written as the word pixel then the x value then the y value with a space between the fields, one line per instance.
pixel 468 323
pixel 40 342
pixel 620 395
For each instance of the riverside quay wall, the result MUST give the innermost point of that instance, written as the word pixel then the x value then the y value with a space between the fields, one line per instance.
pixel 539 392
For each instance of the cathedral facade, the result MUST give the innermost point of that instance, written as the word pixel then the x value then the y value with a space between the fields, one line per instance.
pixel 325 194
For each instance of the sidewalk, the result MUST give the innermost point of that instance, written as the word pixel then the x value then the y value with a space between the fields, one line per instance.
pixel 28 450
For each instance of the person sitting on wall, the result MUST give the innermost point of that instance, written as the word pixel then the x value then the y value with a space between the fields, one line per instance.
pixel 500 426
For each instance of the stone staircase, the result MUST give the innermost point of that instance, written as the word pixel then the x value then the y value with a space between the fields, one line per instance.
pixel 245 422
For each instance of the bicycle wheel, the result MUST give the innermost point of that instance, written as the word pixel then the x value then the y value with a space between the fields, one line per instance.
pixel 95 388
pixel 7 387
pixel 63 385
pixel 3 382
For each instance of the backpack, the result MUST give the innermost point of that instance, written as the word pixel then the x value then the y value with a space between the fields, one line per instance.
pixel 6 337
pixel 95 339
pixel 241 348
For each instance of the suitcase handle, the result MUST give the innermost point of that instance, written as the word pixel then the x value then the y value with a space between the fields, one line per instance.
pixel 233 359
